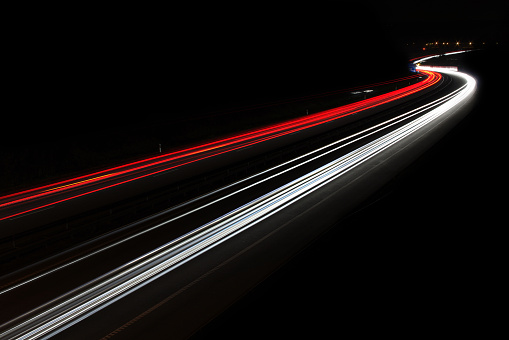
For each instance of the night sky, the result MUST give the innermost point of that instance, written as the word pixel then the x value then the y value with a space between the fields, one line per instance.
pixel 446 21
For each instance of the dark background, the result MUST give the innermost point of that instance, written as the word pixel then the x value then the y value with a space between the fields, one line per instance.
pixel 76 71
pixel 93 86
pixel 83 81
pixel 93 69
pixel 89 87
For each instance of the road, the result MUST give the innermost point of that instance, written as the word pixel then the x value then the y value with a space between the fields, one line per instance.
pixel 225 242
pixel 22 204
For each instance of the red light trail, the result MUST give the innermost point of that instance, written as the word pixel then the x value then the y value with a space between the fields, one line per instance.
pixel 58 192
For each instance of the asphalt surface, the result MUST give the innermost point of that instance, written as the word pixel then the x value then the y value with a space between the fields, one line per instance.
pixel 196 292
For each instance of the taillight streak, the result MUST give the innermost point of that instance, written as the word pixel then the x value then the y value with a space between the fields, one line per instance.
pixel 203 151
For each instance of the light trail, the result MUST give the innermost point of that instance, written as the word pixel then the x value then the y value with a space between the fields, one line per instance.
pixel 419 60
pixel 61 313
pixel 304 159
pixel 69 189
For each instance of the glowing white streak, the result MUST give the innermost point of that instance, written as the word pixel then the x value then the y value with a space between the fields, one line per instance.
pixel 164 259
pixel 456 52
pixel 436 55
pixel 425 58
pixel 437 68
pixel 363 134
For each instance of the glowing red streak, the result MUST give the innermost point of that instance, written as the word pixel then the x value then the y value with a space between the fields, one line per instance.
pixel 207 150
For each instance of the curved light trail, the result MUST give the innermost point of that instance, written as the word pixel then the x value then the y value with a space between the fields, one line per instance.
pixel 270 173
pixel 31 200
pixel 74 306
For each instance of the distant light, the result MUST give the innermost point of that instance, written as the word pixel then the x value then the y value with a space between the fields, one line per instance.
pixel 457 43
pixel 455 52
pixel 424 48
pixel 470 43
pixel 367 91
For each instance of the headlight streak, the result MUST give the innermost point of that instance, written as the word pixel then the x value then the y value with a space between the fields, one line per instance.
pixel 141 169
pixel 424 58
pixel 87 299
pixel 321 153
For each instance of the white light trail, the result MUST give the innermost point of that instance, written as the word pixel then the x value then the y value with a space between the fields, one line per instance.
pixel 437 68
pixel 320 152
pixel 436 56
pixel 88 299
